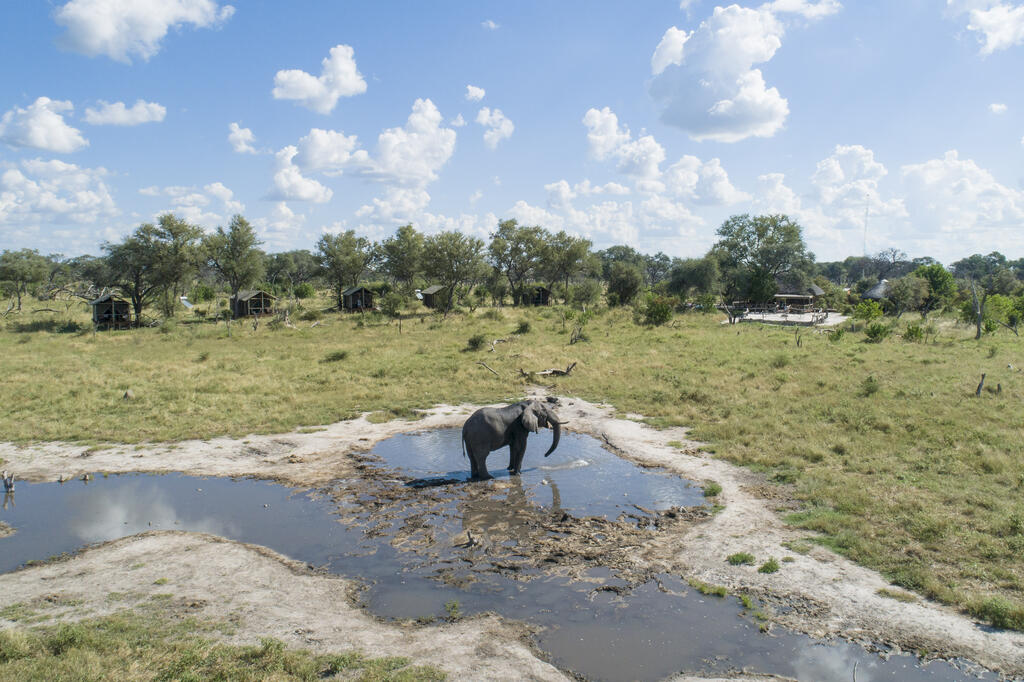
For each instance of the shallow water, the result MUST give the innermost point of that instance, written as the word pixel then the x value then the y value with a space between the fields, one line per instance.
pixel 655 630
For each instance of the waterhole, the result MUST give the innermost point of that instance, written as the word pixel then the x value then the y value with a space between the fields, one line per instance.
pixel 549 547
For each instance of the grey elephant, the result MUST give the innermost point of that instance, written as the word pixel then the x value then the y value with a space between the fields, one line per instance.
pixel 491 428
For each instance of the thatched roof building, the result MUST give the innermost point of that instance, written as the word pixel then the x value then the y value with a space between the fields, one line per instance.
pixel 879 292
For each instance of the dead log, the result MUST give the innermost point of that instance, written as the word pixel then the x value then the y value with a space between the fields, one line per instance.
pixel 555 371
pixel 980 386
pixel 484 365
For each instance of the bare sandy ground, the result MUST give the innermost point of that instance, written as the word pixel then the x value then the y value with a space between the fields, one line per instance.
pixel 827 595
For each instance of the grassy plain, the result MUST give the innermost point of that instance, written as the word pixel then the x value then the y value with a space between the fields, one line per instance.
pixel 896 462
pixel 149 645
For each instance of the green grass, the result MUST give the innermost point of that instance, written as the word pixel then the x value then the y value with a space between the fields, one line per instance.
pixel 148 646
pixel 770 566
pixel 740 558
pixel 898 595
pixel 708 589
pixel 712 489
pixel 897 465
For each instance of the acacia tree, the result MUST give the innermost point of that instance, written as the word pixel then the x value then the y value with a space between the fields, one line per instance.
pixel 177 251
pixel 564 258
pixel 756 252
pixel 344 259
pixel 694 274
pixel 453 259
pixel 517 252
pixel 135 267
pixel 22 269
pixel 907 293
pixel 402 256
pixel 234 254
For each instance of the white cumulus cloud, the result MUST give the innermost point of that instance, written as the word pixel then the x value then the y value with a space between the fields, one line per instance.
pixel 339 77
pixel 489 25
pixel 329 151
pixel 119 114
pixel 997 108
pixel 241 139
pixel 41 125
pixel 499 127
pixel 121 29
pixel 705 82
pixel 474 94
pixel 413 154
pixel 457 122
pixel 53 192
pixel 806 9
pixel 955 195
pixel 998 24
pixel 289 183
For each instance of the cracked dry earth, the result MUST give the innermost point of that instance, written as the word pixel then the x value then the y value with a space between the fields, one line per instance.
pixel 823 595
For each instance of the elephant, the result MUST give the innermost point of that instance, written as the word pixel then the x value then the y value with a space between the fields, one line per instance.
pixel 491 428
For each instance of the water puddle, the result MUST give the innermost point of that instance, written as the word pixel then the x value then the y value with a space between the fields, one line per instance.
pixel 550 548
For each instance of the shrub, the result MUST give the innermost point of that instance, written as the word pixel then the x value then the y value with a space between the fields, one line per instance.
pixel 311 315
pixel 706 303
pixel 877 332
pixel 491 314
pixel 837 335
pixel 657 310
pixel 304 290
pixel 335 356
pixel 740 558
pixel 587 292
pixel 476 342
pixel 201 293
pixel 869 386
pixel 914 333
pixel 780 361
pixel 712 489
pixel 867 310
pixel 523 328
pixel 167 326
pixel 770 566
pixel 998 611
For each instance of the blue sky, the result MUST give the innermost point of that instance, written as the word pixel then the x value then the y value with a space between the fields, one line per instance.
pixel 639 123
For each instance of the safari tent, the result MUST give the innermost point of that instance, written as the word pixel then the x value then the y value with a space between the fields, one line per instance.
pixel 252 302
pixel 109 311
pixel 357 298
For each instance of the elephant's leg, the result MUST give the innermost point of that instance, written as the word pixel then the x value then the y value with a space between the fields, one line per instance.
pixel 481 466
pixel 516 451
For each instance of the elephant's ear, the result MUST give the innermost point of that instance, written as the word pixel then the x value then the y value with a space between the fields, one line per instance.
pixel 529 418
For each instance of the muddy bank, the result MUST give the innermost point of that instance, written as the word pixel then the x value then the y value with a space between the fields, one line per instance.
pixel 820 594
pixel 5 530
pixel 262 594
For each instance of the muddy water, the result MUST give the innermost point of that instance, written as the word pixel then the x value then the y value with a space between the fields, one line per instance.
pixel 409 545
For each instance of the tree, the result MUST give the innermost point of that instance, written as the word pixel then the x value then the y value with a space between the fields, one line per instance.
pixel 756 252
pixel 657 268
pixel 22 269
pixel 233 254
pixel 997 281
pixel 908 293
pixel 345 258
pixel 565 258
pixel 178 255
pixel 698 275
pixel 135 267
pixel 402 256
pixel 890 263
pixel 940 286
pixel 453 260
pixel 517 252
pixel 624 283
pixel 291 268
pixel 619 254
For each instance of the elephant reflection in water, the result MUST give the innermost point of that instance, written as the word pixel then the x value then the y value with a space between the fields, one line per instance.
pixel 8 500
pixel 508 516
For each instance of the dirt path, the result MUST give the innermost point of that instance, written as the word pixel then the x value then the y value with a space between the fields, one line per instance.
pixel 826 594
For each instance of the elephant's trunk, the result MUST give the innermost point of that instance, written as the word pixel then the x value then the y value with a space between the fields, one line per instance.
pixel 556 426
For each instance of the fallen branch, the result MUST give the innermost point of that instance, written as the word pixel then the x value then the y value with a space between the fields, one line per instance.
pixel 46 310
pixel 498 341
pixel 484 365
pixel 549 372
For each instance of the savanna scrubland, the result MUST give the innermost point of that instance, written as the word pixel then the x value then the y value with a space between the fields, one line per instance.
pixel 876 435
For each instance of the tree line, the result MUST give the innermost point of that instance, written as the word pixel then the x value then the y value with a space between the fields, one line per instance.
pixel 753 258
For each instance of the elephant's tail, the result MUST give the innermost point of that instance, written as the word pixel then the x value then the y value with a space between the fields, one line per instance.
pixel 464 445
